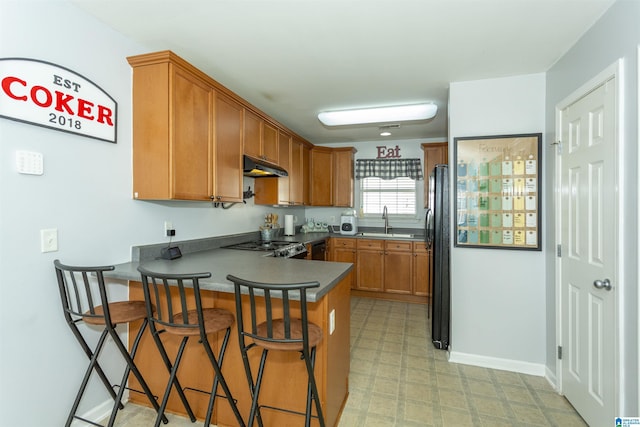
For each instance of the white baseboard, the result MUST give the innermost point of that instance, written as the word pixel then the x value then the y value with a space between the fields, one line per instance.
pixel 99 413
pixel 553 380
pixel 496 363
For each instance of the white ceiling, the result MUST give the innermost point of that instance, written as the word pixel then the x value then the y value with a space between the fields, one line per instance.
pixel 295 58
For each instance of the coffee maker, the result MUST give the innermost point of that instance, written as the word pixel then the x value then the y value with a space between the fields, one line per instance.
pixel 349 223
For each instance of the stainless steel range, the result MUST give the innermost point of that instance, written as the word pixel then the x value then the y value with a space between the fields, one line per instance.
pixel 277 248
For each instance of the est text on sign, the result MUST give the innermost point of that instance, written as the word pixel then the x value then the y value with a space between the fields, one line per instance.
pixel 52 96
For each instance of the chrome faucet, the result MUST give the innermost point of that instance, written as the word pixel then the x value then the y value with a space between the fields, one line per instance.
pixel 385 216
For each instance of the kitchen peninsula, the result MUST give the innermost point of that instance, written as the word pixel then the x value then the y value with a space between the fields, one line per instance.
pixel 285 378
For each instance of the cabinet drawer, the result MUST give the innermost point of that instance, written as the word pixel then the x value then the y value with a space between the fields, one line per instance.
pixel 344 243
pixel 399 246
pixel 370 244
pixel 419 247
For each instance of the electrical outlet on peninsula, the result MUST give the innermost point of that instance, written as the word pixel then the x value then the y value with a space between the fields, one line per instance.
pixel 169 231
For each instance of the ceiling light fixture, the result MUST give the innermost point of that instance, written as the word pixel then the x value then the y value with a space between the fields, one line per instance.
pixel 379 114
pixel 386 129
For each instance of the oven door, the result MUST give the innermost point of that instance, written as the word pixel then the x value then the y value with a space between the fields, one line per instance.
pixel 319 250
pixel 302 255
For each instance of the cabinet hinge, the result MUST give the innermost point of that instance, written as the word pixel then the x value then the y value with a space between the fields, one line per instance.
pixel 559 251
pixel 560 352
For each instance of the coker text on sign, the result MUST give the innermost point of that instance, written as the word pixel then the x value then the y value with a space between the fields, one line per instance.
pixel 48 95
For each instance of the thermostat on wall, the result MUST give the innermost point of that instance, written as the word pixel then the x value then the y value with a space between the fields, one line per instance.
pixel 29 163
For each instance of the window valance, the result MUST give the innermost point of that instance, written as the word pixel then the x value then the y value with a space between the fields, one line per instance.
pixel 388 168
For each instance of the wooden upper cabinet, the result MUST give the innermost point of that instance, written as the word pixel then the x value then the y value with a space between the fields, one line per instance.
pixel 180 151
pixel 331 176
pixel 172 110
pixel 270 142
pixel 321 176
pixel 288 190
pixel 435 153
pixel 260 137
pixel 284 160
pixel 343 176
pixel 227 170
pixel 296 176
pixel 306 152
pixel 252 134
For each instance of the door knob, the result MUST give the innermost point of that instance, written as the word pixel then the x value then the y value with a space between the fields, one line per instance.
pixel 602 284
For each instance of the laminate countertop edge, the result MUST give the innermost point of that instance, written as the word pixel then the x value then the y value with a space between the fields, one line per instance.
pixel 244 264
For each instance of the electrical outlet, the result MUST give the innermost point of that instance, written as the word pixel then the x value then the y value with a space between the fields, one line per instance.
pixel 49 240
pixel 332 321
pixel 168 225
pixel 332 219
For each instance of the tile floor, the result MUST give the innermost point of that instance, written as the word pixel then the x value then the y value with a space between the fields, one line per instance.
pixel 398 379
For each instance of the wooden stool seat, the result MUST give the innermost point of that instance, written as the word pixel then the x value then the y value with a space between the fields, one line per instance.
pixel 121 312
pixel 215 319
pixel 315 335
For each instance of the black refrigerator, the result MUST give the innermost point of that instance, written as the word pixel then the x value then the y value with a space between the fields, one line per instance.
pixel 437 236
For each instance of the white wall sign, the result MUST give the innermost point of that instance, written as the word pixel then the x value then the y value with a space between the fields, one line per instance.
pixel 52 96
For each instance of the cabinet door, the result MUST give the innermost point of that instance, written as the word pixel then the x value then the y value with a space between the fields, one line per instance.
pixel 305 175
pixel 321 177
pixel 269 142
pixel 343 177
pixel 346 255
pixel 421 270
pixel 398 267
pixel 344 250
pixel 296 180
pixel 434 154
pixel 252 134
pixel 284 160
pixel 172 112
pixel 227 161
pixel 370 265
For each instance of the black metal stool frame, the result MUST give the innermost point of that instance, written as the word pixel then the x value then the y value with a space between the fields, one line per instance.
pixel 76 309
pixel 254 289
pixel 163 316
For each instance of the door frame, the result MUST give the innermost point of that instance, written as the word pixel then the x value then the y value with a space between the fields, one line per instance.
pixel 614 70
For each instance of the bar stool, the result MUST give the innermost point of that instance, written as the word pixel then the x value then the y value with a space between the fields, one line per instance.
pixel 81 303
pixel 186 318
pixel 285 333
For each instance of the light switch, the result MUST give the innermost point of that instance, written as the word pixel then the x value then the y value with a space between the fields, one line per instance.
pixel 29 162
pixel 49 240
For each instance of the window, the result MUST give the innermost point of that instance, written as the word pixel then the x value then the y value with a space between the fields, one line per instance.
pixel 399 195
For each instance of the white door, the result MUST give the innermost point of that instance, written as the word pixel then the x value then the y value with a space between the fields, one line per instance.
pixel 588 253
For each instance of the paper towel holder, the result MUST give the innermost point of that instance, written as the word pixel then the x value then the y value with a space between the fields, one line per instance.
pixel 289 228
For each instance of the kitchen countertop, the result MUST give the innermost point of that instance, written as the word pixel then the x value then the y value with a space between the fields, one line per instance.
pixel 206 255
pixel 248 265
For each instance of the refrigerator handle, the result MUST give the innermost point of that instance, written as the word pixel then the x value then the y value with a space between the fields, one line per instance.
pixel 428 232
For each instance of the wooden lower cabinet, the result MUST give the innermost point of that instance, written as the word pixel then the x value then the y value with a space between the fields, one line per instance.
pixel 344 250
pixel 386 269
pixel 370 265
pixel 398 267
pixel 421 270
pixel 285 378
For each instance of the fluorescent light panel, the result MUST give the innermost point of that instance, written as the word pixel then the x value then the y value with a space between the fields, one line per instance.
pixel 378 115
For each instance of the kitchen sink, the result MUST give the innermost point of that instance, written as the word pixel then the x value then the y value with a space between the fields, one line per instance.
pixel 397 235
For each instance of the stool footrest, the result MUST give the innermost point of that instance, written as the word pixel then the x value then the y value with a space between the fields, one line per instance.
pixel 290 411
pixel 87 421
pixel 197 390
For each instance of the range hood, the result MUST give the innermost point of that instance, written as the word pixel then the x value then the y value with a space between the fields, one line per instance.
pixel 259 168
